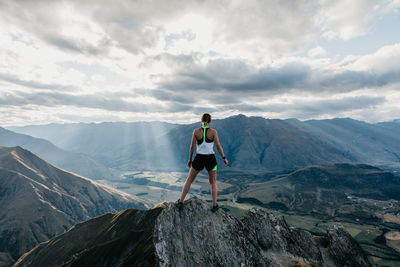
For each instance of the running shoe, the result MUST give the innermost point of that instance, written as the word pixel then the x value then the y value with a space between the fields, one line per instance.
pixel 215 208
pixel 180 204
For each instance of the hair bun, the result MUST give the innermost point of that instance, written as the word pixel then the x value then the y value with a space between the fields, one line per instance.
pixel 206 118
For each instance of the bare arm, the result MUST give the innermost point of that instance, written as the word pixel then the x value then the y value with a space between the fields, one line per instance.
pixel 219 148
pixel 191 151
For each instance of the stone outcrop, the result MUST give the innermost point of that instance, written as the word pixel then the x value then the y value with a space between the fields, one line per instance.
pixel 195 236
pixel 344 249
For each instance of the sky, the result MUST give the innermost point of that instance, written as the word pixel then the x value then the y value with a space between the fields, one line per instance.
pixel 98 60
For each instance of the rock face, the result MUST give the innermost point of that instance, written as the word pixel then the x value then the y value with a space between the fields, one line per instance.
pixel 165 236
pixel 39 201
pixel 275 238
pixel 196 236
pixel 344 249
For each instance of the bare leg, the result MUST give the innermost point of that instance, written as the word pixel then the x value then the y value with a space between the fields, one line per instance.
pixel 191 176
pixel 212 178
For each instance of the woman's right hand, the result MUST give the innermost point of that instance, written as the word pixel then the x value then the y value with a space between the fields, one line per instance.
pixel 189 164
pixel 226 162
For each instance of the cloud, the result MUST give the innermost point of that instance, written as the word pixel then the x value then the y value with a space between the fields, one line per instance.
pixel 316 51
pixel 53 99
pixel 221 79
pixel 180 58
pixel 57 23
pixel 234 28
pixel 385 60
pixel 234 75
pixel 348 19
pixel 79 46
pixel 312 108
pixel 306 108
pixel 33 84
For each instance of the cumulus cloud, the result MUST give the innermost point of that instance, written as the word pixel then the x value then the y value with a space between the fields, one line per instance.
pixel 347 19
pixel 385 60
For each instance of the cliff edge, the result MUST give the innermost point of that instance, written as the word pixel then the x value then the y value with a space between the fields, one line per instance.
pixel 195 236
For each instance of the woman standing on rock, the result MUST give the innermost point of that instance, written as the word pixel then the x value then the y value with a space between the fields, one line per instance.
pixel 204 139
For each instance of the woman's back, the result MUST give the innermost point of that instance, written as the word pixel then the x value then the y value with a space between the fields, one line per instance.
pixel 204 141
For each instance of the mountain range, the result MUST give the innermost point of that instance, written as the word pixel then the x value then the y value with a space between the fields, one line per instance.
pixel 374 144
pixel 39 201
pixel 75 162
pixel 101 141
pixel 250 143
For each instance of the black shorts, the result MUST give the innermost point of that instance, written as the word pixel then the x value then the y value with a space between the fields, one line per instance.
pixel 208 161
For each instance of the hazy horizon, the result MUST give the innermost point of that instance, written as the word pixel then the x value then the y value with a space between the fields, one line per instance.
pixel 183 123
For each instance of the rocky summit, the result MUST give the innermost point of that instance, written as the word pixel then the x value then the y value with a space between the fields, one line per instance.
pixel 194 236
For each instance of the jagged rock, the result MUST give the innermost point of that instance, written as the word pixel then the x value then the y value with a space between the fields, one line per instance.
pixel 275 237
pixel 195 236
pixel 344 249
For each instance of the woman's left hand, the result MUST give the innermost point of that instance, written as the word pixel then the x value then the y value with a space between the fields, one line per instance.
pixel 189 164
pixel 226 162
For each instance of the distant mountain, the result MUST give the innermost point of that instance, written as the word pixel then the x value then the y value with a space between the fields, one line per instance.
pixel 362 142
pixel 39 201
pixel 75 162
pixel 97 139
pixel 250 143
pixel 254 143
pixel 194 236
pixel 393 126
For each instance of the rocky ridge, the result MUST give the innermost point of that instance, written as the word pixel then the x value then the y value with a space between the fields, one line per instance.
pixel 166 236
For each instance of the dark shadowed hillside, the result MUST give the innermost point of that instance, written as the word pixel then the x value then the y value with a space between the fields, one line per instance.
pixel 39 201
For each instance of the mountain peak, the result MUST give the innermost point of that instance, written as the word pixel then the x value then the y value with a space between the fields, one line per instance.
pixel 194 236
pixel 9 149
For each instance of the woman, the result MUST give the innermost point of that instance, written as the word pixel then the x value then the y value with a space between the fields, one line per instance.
pixel 204 139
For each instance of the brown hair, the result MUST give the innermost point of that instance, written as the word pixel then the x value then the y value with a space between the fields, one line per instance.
pixel 206 118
